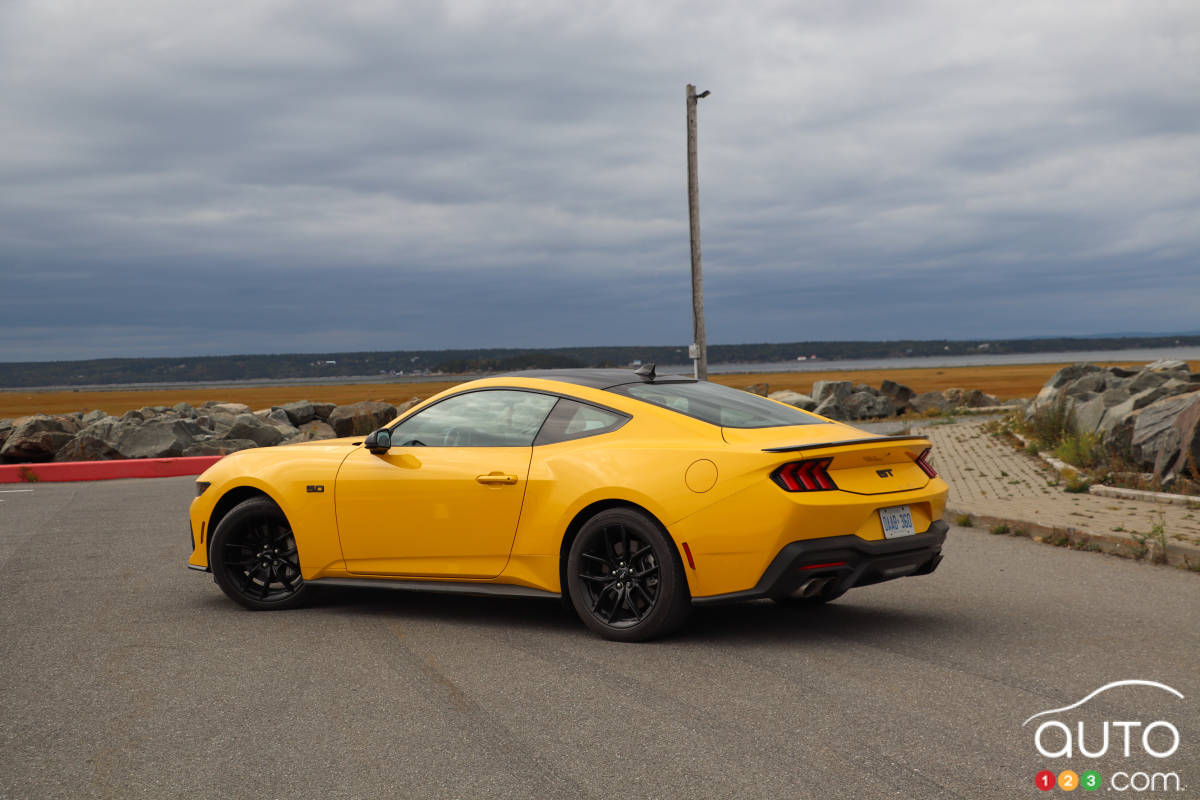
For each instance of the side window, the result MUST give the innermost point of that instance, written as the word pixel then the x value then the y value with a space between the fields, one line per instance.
pixel 488 418
pixel 573 420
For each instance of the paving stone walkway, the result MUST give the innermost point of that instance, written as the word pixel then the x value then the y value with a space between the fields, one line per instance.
pixel 995 485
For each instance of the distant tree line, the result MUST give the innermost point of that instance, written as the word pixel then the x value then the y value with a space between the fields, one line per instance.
pixel 409 362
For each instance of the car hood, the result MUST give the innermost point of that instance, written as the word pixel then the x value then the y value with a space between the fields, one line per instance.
pixel 256 459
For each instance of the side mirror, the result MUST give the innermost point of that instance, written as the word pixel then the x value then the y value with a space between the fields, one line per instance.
pixel 378 442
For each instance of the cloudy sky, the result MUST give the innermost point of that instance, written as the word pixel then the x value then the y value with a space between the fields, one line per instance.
pixel 205 178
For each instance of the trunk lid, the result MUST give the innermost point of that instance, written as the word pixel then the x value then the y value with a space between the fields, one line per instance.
pixel 862 463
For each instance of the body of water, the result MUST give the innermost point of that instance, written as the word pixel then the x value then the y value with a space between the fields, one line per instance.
pixel 1136 356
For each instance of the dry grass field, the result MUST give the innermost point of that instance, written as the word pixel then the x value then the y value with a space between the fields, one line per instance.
pixel 1006 382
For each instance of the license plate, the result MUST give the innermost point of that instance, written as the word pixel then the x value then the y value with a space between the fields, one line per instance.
pixel 897 522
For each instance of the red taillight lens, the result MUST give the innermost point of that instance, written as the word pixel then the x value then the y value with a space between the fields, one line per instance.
pixel 923 463
pixel 805 476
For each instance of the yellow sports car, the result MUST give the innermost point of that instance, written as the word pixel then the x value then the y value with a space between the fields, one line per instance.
pixel 634 496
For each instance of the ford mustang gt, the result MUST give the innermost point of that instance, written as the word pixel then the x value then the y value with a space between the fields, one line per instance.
pixel 630 495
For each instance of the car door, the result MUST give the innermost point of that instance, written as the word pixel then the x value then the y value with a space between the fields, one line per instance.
pixel 445 499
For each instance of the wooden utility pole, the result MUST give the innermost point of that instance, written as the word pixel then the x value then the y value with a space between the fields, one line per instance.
pixel 699 349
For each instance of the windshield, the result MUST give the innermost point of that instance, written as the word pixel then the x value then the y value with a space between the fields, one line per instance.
pixel 717 404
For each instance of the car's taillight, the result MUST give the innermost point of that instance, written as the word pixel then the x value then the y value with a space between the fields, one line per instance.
pixel 805 476
pixel 923 463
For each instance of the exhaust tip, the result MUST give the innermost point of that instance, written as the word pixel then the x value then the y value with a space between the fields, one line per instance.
pixel 811 587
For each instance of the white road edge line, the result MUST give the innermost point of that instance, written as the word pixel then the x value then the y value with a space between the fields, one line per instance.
pixel 14 491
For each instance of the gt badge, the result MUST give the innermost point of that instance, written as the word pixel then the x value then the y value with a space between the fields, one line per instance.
pixel 883 473
pixel 317 488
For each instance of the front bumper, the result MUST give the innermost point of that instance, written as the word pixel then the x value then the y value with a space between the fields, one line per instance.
pixel 847 560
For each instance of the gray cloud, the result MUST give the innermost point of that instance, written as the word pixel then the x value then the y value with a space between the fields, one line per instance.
pixel 181 178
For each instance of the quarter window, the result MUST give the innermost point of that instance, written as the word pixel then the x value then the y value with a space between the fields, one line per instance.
pixel 574 420
pixel 488 418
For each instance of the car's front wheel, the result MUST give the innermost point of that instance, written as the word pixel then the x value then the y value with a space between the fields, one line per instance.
pixel 253 557
pixel 625 579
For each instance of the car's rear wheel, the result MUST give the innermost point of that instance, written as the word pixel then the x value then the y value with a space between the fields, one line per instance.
pixel 625 579
pixel 254 559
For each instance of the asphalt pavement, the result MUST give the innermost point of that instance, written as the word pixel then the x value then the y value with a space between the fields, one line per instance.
pixel 125 675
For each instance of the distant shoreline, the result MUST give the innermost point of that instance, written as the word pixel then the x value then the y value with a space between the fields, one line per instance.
pixel 1124 356
pixel 394 366
pixel 1005 381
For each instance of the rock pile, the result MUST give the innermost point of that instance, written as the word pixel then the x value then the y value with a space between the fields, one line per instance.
pixel 844 400
pixel 1152 414
pixel 214 428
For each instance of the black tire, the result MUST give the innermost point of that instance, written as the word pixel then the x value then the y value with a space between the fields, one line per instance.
pixel 253 557
pixel 625 579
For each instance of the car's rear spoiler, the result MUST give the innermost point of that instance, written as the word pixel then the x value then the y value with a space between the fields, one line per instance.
pixel 844 442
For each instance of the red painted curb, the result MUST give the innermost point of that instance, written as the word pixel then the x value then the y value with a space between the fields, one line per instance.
pixel 106 470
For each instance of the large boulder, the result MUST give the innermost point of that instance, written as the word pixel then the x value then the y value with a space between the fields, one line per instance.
pixel 163 437
pixel 217 420
pixel 830 408
pixel 970 398
pixel 229 408
pixel 1105 398
pixel 359 419
pixel 823 391
pixel 867 405
pixel 794 399
pixel 279 419
pixel 94 415
pixel 1164 436
pixel 1091 383
pixel 1115 416
pixel 38 438
pixel 299 412
pixel 1060 380
pixel 315 429
pixel 97 441
pixel 6 428
pixel 256 429
pixel 275 415
pixel 1115 396
pixel 1090 412
pixel 930 402
pixel 1147 379
pixel 1170 365
pixel 323 410
pixel 898 393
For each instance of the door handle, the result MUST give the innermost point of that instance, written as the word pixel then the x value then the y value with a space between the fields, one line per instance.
pixel 497 478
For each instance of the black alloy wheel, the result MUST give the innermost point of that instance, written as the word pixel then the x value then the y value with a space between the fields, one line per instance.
pixel 625 579
pixel 254 559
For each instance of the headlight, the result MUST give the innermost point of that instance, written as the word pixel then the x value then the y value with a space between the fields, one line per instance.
pixel 201 486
